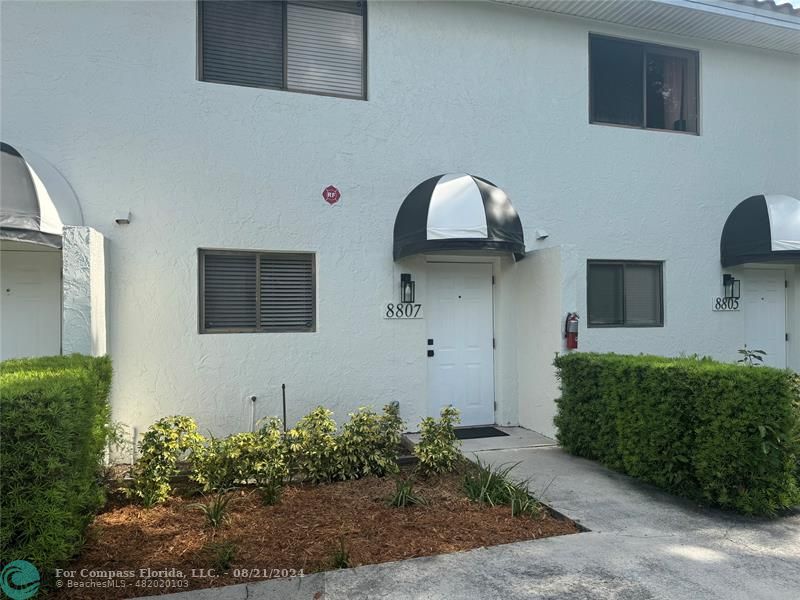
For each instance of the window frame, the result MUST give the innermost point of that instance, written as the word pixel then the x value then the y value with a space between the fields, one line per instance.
pixel 203 252
pixel 285 55
pixel 623 263
pixel 693 55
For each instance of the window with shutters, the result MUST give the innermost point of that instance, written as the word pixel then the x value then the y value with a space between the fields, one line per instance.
pixel 314 47
pixel 256 291
pixel 625 294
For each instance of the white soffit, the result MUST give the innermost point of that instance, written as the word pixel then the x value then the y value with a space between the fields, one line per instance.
pixel 718 20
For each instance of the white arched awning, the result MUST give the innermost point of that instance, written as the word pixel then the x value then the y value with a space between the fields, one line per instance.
pixel 457 212
pixel 35 199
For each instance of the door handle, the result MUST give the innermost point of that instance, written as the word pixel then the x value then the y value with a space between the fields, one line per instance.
pixel 430 341
pixel 430 353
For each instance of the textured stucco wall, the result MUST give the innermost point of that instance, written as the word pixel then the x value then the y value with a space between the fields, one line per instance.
pixel 83 292
pixel 107 92
pixel 545 291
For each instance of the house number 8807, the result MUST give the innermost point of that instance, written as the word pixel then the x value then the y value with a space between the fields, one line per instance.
pixel 403 311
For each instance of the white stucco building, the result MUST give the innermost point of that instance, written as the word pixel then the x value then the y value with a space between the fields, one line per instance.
pixel 210 256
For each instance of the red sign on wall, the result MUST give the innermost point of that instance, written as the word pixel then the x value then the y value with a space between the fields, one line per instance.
pixel 331 194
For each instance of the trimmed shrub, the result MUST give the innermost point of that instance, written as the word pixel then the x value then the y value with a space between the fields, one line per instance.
pixel 717 433
pixel 258 457
pixel 368 443
pixel 54 423
pixel 313 448
pixel 164 443
pixel 437 450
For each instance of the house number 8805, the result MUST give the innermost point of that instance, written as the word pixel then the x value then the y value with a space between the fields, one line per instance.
pixel 726 304
pixel 403 311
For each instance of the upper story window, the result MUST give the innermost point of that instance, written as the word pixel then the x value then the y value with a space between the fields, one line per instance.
pixel 642 85
pixel 315 47
pixel 625 293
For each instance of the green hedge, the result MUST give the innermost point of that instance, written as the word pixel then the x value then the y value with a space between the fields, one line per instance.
pixel 54 414
pixel 721 434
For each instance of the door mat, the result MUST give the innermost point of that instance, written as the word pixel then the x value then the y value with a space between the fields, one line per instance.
pixel 471 433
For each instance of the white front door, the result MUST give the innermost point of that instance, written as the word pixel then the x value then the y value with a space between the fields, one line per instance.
pixel 764 306
pixel 30 303
pixel 460 339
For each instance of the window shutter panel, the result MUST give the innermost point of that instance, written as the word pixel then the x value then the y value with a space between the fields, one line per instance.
pixel 605 294
pixel 242 42
pixel 642 294
pixel 287 292
pixel 325 47
pixel 229 291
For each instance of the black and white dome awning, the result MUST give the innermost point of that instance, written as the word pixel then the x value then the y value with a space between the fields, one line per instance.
pixel 457 212
pixel 35 199
pixel 762 229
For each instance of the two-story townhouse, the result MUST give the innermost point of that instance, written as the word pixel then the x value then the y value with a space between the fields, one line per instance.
pixel 394 201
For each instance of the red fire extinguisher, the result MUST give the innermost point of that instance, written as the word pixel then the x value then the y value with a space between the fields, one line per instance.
pixel 571 330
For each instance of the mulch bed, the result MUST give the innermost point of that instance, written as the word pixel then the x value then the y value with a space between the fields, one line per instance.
pixel 301 532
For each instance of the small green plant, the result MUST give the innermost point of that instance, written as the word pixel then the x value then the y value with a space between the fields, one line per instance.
pixel 270 492
pixel 494 487
pixel 404 494
pixel 163 445
pixel 488 485
pixel 341 557
pixel 312 446
pixel 271 462
pixel 751 358
pixel 437 449
pixel 522 504
pixel 221 555
pixel 215 509
pixel 119 441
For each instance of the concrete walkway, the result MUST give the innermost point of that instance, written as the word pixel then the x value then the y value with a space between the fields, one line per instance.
pixel 643 544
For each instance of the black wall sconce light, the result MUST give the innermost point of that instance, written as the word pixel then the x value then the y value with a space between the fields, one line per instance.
pixel 406 288
pixel 731 286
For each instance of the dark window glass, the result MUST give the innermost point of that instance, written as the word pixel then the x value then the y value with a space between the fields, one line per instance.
pixel 605 294
pixel 642 85
pixel 616 69
pixel 624 294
